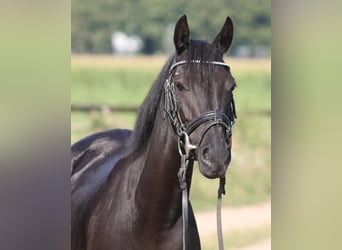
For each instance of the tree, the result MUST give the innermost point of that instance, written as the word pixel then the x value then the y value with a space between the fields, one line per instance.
pixel 93 22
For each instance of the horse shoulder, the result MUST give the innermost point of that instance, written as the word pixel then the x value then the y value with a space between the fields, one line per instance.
pixel 92 159
pixel 97 145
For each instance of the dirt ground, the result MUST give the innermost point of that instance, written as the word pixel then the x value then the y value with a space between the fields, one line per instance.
pixel 238 219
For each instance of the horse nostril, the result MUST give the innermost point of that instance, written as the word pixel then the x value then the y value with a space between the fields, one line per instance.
pixel 205 154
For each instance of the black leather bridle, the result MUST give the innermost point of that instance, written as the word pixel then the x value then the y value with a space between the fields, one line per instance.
pixel 211 118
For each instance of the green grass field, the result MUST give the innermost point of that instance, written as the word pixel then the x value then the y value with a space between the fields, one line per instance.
pixel 112 80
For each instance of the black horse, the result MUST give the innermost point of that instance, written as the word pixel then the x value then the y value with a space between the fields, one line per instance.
pixel 125 188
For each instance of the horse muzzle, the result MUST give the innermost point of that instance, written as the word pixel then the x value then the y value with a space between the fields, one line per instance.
pixel 213 154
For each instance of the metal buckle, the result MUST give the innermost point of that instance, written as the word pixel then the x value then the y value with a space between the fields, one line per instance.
pixel 184 145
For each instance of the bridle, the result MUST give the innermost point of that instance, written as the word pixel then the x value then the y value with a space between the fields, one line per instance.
pixel 211 119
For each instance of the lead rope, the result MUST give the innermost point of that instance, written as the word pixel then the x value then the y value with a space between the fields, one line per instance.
pixel 184 148
pixel 183 187
pixel 221 191
pixel 185 156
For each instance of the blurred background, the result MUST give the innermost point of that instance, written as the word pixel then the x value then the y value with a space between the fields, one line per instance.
pixel 118 49
pixel 129 27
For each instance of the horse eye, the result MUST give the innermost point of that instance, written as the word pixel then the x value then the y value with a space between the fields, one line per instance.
pixel 180 86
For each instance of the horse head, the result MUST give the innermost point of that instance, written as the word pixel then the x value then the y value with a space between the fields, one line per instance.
pixel 199 99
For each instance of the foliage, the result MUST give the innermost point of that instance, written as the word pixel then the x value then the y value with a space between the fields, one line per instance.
pixel 94 21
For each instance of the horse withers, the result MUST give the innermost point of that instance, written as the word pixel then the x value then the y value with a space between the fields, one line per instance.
pixel 126 186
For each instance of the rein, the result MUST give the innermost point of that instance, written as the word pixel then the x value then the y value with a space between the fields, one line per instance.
pixel 211 118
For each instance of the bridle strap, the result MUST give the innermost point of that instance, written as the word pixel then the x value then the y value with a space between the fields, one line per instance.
pixel 197 62
pixel 213 118
pixel 217 116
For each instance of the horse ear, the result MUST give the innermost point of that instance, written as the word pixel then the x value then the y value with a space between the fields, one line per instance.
pixel 224 39
pixel 181 35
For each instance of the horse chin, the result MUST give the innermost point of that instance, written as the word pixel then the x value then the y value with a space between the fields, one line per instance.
pixel 214 165
pixel 212 172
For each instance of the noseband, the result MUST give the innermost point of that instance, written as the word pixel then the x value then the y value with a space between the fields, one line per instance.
pixel 211 118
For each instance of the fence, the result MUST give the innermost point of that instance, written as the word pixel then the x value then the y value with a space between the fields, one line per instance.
pixel 134 109
pixel 103 107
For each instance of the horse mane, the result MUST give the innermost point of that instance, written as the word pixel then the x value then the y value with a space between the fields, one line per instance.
pixel 148 109
pixel 198 50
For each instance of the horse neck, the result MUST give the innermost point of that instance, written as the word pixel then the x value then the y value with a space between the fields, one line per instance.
pixel 158 194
